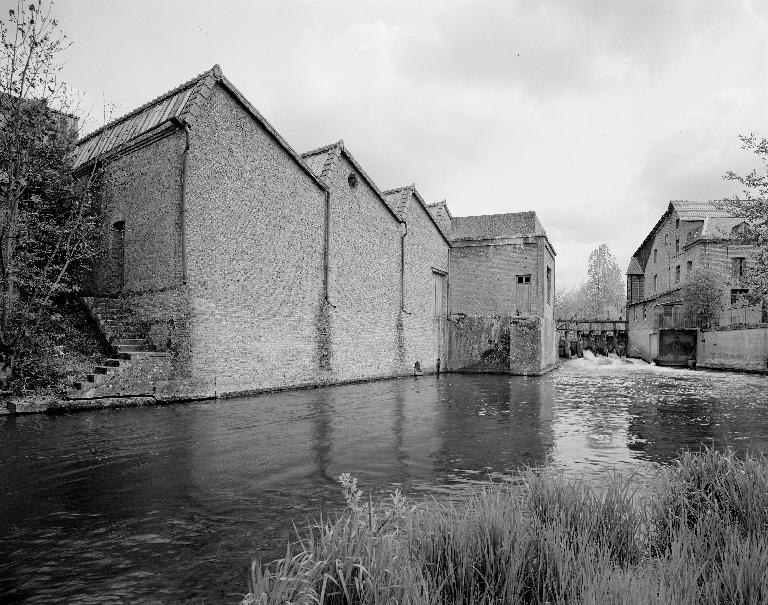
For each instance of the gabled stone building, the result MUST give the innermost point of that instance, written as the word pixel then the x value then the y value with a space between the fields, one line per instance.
pixel 688 236
pixel 502 280
pixel 229 264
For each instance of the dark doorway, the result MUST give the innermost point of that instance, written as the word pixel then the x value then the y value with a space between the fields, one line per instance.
pixel 118 257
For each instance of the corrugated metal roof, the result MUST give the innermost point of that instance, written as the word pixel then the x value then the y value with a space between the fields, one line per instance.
pixel 173 104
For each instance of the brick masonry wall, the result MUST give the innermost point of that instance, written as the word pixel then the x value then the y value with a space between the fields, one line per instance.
pixel 365 280
pixel 501 344
pixel 425 249
pixel 255 240
pixel 143 189
pixel 484 274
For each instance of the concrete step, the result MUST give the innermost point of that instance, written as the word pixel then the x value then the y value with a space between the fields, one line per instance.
pixel 134 348
pixel 144 354
pixel 124 341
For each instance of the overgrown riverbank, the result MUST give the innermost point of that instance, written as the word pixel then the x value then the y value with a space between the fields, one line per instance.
pixel 698 535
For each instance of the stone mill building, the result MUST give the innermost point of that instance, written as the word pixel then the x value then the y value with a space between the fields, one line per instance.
pixel 228 263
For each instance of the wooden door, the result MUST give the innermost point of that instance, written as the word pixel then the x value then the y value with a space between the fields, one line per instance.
pixel 523 294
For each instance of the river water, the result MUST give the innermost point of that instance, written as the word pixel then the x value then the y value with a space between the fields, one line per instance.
pixel 170 504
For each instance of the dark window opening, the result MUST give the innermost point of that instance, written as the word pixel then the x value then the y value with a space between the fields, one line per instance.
pixel 655 254
pixel 677 245
pixel 738 267
pixel 677 274
pixel 737 294
pixel 677 223
pixel 689 266
pixel 549 286
pixel 352 180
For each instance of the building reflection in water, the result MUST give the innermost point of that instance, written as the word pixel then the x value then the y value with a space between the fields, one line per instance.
pixel 492 426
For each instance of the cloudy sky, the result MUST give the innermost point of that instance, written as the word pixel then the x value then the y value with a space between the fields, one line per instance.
pixel 592 113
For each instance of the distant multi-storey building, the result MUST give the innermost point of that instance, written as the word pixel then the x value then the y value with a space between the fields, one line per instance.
pixel 688 236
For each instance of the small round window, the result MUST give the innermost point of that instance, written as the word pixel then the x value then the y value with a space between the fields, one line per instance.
pixel 352 180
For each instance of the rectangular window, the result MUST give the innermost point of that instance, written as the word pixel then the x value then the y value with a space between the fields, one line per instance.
pixel 677 274
pixel 736 294
pixel 677 246
pixel 738 267
pixel 549 286
pixel 689 266
pixel 523 293
pixel 645 310
pixel 655 284
pixel 677 223
pixel 655 254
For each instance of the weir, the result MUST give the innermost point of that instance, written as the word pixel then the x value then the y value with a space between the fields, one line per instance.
pixel 601 336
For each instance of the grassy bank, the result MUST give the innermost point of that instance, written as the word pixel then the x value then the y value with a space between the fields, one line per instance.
pixel 698 535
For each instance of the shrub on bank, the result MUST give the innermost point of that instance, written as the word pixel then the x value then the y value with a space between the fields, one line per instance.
pixel 698 535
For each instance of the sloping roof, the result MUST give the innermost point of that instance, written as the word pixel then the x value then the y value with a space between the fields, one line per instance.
pixel 489 226
pixel 698 211
pixel 634 267
pixel 398 201
pixel 719 228
pixel 322 160
pixel 181 104
pixel 716 223
pixel 442 215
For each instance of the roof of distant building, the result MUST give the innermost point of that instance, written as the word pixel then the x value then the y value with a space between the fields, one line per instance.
pixel 698 211
pixel 717 220
pixel 489 226
pixel 180 105
pixel 322 160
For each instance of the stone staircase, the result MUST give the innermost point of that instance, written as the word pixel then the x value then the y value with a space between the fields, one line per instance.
pixel 135 365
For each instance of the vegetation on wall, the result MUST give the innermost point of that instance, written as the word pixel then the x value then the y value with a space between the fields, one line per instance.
pixel 45 216
pixel 703 297
pixel 752 204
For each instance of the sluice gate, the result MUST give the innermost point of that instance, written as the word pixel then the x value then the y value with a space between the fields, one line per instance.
pixel 601 336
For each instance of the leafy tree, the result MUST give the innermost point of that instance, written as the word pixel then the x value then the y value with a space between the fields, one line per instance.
pixel 703 297
pixel 604 289
pixel 601 296
pixel 752 204
pixel 45 214
pixel 570 302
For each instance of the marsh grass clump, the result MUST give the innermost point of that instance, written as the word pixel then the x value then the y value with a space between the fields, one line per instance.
pixel 699 534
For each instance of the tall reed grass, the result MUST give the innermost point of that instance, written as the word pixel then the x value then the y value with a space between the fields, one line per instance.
pixel 698 535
